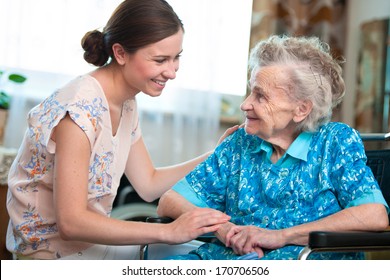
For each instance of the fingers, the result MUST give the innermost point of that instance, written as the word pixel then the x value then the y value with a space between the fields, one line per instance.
pixel 232 232
pixel 248 246
pixel 209 221
pixel 228 132
pixel 209 216
pixel 259 252
pixel 233 128
pixel 208 229
pixel 243 240
pixel 197 222
pixel 238 242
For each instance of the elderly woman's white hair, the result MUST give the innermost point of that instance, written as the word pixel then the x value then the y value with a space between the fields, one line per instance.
pixel 313 73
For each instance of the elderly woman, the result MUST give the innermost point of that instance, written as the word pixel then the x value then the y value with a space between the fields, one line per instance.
pixel 290 170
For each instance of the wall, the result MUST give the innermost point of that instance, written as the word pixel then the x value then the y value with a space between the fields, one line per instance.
pixel 359 11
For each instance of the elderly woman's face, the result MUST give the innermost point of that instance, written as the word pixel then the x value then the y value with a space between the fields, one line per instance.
pixel 269 111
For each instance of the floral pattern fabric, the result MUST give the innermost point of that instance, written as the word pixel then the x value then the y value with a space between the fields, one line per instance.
pixel 241 181
pixel 32 229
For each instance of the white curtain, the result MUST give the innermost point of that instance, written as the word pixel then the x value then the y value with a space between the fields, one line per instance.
pixel 41 39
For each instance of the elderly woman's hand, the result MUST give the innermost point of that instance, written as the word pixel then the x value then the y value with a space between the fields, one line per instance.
pixel 223 230
pixel 248 239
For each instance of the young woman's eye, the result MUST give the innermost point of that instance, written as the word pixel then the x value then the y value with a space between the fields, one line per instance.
pixel 160 61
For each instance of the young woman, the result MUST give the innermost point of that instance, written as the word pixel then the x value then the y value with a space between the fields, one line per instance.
pixel 85 136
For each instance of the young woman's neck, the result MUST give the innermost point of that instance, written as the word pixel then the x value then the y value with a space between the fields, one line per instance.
pixel 114 85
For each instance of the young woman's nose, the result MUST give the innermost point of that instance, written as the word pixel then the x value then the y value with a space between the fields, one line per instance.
pixel 170 71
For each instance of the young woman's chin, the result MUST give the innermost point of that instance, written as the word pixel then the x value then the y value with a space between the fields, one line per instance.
pixel 152 92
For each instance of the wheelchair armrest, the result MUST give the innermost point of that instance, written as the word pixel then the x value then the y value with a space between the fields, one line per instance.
pixel 159 220
pixel 323 239
pixel 352 241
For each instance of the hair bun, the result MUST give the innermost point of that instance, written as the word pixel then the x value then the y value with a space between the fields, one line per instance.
pixel 93 45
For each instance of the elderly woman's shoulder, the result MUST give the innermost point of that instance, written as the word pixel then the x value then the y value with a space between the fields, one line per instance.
pixel 338 130
pixel 335 126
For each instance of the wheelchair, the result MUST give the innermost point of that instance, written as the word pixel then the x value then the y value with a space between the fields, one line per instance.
pixel 129 206
pixel 374 243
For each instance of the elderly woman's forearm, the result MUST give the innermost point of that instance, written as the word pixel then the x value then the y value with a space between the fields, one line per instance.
pixel 357 218
pixel 172 205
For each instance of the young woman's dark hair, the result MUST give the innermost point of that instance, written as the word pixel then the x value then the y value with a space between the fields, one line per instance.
pixel 134 24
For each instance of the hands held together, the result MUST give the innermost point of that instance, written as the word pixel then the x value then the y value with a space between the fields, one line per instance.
pixel 249 239
pixel 195 223
pixel 242 239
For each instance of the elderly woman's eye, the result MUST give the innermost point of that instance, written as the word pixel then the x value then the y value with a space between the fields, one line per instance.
pixel 260 95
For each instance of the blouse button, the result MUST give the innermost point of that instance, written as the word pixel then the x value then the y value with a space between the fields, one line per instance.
pixel 80 254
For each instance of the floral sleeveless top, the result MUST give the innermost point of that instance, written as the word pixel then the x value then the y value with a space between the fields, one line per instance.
pixel 32 229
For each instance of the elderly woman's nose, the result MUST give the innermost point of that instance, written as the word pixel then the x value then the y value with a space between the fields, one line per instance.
pixel 246 105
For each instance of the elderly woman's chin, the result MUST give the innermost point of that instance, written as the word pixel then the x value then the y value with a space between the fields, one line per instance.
pixel 250 129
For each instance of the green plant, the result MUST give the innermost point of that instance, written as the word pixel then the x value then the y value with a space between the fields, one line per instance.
pixel 5 97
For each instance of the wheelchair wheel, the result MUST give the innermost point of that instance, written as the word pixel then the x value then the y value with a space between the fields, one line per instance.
pixel 134 211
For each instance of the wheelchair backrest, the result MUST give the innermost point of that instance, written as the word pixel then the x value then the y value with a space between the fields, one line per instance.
pixel 379 162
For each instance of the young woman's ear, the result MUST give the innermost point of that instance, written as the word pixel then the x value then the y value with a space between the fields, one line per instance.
pixel 302 111
pixel 119 53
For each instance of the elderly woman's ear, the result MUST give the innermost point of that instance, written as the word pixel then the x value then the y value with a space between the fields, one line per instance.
pixel 303 110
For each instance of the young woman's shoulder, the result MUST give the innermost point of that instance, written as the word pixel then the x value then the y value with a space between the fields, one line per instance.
pixel 82 87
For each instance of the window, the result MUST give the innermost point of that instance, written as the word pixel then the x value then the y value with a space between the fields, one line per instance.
pixel 42 37
pixel 45 35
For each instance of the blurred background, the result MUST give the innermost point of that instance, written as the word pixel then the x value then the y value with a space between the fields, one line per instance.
pixel 40 40
pixel 40 51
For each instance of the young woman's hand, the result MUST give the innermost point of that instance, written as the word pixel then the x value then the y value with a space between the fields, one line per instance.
pixel 194 223
pixel 228 132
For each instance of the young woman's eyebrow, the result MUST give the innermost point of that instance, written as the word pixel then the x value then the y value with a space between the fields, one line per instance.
pixel 166 56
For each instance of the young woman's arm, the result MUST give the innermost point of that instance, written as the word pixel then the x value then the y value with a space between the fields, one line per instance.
pixel 76 221
pixel 150 182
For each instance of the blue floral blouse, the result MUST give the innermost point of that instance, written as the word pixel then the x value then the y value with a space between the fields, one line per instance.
pixel 320 174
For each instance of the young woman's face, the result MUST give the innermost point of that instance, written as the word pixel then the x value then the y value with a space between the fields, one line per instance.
pixel 150 68
pixel 268 109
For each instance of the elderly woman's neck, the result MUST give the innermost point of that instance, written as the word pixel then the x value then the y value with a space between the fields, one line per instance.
pixel 280 145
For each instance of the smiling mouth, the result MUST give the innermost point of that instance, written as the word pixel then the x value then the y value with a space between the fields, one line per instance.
pixel 159 82
pixel 251 118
